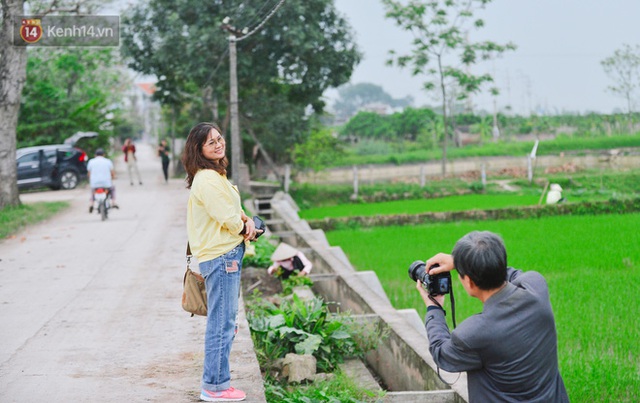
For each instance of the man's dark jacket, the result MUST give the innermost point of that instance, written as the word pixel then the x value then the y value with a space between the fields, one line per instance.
pixel 509 350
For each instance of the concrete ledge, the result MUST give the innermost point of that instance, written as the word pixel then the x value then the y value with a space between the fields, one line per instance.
pixel 402 360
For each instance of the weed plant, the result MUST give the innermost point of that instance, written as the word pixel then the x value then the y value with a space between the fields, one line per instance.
pixel 592 266
pixel 301 327
pixel 337 389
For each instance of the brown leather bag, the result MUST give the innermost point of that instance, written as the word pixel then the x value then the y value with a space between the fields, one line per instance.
pixel 194 292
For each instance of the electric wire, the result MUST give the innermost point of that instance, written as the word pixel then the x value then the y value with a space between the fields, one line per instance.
pixel 273 11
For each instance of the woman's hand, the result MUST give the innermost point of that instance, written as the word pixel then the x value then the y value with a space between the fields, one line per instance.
pixel 250 229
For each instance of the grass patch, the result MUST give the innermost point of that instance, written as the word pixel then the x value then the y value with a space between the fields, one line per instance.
pixel 12 219
pixel 591 263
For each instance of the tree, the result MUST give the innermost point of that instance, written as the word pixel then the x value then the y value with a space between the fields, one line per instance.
pixel 624 68
pixel 283 69
pixel 370 126
pixel 411 122
pixel 319 151
pixel 13 60
pixel 352 97
pixel 69 90
pixel 441 50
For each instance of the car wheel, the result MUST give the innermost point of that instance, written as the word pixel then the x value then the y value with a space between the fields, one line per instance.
pixel 68 180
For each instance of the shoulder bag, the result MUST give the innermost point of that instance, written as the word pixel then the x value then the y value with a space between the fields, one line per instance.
pixel 194 293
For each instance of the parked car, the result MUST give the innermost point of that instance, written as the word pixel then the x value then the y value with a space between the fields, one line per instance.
pixel 58 166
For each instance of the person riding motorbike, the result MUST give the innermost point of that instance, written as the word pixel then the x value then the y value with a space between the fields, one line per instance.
pixel 101 173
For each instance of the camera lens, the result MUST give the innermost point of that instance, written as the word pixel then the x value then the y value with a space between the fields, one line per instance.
pixel 417 271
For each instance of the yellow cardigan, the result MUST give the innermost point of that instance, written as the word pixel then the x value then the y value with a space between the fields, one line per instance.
pixel 214 218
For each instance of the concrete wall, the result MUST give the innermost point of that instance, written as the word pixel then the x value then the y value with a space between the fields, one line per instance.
pixel 402 360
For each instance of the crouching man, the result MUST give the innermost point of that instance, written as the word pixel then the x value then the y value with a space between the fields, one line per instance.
pixel 510 349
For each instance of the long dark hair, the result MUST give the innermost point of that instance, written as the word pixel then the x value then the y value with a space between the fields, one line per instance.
pixel 192 158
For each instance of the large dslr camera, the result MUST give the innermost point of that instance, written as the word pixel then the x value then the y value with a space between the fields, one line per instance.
pixel 438 284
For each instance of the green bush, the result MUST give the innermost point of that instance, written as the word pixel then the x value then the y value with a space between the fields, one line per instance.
pixel 299 327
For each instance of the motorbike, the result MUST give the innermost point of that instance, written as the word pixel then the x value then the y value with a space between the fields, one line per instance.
pixel 102 198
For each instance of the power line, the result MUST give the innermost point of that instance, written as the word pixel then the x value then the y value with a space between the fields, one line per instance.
pixel 256 16
pixel 273 11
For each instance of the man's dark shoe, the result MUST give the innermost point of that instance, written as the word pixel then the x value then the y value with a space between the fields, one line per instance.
pixel 115 206
pixel 90 209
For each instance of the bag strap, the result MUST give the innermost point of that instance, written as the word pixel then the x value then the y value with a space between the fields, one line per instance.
pixel 188 254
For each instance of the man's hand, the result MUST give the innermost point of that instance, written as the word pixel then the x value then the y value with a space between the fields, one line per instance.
pixel 425 296
pixel 445 262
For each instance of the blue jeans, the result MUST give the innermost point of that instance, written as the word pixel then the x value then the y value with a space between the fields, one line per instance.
pixel 223 288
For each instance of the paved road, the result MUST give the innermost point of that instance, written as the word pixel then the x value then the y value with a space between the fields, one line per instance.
pixel 90 310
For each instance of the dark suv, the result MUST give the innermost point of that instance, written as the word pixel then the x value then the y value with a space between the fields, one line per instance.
pixel 58 166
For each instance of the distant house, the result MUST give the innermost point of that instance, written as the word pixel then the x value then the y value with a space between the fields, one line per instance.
pixel 376 107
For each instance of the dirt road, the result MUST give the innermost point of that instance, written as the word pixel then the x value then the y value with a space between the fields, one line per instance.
pixel 90 310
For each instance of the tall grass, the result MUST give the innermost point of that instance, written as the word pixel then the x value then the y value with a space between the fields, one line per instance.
pixel 592 266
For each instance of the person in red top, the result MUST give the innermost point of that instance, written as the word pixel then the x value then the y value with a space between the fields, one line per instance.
pixel 129 151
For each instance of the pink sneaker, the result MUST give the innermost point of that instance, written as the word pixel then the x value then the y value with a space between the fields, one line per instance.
pixel 229 395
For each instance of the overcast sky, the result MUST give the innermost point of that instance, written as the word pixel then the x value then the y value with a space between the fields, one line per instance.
pixel 556 66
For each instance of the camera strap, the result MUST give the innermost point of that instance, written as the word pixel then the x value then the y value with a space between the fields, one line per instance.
pixel 453 307
pixel 453 319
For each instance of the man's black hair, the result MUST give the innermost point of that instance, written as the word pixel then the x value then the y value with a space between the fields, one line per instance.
pixel 482 256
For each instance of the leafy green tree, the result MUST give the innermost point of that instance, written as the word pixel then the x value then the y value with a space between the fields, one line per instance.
pixel 319 151
pixel 411 122
pixel 69 90
pixel 440 29
pixel 283 69
pixel 624 69
pixel 369 125
pixel 352 97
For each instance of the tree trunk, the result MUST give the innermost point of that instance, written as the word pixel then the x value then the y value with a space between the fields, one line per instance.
pixel 13 74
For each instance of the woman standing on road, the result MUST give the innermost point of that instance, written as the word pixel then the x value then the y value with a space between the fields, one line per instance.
pixel 217 228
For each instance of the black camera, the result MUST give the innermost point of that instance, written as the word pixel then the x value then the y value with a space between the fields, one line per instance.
pixel 438 284
pixel 260 226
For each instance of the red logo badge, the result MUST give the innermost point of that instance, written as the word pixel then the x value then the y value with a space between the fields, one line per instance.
pixel 31 30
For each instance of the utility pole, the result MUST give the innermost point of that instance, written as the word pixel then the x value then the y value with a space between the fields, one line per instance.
pixel 235 35
pixel 233 101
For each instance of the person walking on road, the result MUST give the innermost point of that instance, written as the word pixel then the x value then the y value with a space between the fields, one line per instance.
pixel 129 150
pixel 101 174
pixel 163 152
pixel 217 228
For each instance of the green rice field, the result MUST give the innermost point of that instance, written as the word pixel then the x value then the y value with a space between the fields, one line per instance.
pixel 592 266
